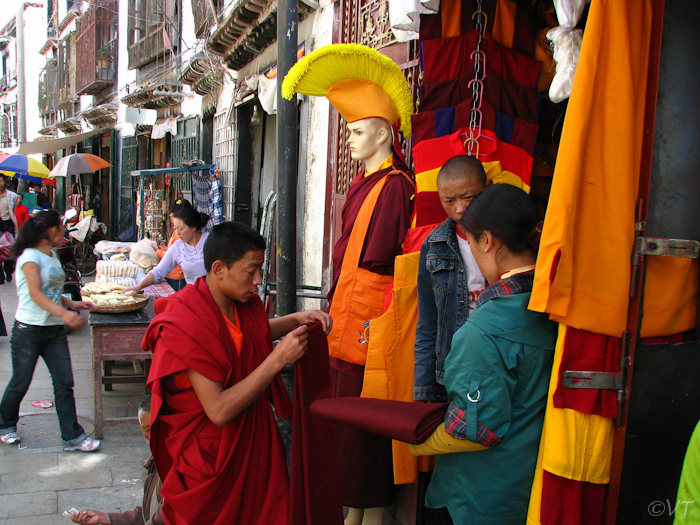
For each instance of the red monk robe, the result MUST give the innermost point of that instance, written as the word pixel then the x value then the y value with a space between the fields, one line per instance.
pixel 214 475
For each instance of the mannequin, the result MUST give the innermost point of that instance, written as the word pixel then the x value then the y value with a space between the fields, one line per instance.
pixel 371 93
pixel 369 142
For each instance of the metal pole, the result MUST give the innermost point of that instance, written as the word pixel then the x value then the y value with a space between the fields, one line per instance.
pixel 21 95
pixel 287 24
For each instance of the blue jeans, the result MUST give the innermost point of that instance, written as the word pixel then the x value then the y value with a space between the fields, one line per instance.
pixel 28 342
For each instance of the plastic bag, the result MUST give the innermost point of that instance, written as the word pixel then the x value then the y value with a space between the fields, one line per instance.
pixel 144 255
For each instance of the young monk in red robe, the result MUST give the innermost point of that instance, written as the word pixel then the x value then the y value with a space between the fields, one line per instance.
pixel 213 378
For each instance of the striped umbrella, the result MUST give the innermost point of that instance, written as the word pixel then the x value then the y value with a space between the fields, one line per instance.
pixel 78 163
pixel 24 167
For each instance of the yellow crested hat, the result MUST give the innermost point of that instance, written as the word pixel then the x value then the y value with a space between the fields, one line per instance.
pixel 359 81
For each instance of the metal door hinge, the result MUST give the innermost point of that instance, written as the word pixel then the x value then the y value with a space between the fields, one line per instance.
pixel 597 380
pixel 667 247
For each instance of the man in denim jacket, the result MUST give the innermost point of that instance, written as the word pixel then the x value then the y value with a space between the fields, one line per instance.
pixel 449 281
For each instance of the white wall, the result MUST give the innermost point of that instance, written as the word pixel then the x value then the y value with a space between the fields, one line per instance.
pixel 34 25
pixel 314 203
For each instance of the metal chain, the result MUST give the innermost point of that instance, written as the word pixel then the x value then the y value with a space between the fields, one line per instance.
pixel 476 83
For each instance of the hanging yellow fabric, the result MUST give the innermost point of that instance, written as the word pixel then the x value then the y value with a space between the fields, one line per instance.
pixel 583 268
pixel 574 445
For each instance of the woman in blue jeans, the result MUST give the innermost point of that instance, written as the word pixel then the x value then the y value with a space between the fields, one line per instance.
pixel 40 330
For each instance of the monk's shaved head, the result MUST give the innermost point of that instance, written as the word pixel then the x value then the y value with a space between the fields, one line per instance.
pixel 462 167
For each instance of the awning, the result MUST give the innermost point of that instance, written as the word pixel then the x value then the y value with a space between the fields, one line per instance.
pixel 54 145
pixel 163 171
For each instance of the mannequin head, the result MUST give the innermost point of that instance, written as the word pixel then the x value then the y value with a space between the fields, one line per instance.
pixel 370 141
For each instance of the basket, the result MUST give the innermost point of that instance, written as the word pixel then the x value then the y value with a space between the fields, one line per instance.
pixel 141 301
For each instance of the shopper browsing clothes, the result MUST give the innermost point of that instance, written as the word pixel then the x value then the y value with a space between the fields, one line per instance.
pixel 40 330
pixel 448 278
pixel 496 374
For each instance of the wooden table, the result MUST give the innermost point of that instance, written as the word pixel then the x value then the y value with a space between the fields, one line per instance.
pixel 117 337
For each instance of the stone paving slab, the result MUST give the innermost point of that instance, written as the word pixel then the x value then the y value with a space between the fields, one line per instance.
pixel 26 463
pixel 31 504
pixel 56 480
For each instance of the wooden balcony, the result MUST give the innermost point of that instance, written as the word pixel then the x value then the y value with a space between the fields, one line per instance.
pixel 201 75
pixel 96 47
pixel 148 49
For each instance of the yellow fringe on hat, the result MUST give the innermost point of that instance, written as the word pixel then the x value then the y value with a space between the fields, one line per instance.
pixel 319 70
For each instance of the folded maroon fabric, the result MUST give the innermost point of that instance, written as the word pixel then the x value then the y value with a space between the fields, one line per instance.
pixel 401 420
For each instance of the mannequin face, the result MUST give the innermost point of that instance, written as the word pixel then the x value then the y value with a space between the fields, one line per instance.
pixel 368 138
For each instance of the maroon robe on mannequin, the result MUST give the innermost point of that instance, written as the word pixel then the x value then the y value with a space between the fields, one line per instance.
pixel 390 221
pixel 215 475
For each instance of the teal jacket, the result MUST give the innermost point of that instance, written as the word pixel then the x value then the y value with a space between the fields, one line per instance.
pixel 501 359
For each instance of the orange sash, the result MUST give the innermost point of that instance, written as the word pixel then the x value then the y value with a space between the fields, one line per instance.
pixel 359 294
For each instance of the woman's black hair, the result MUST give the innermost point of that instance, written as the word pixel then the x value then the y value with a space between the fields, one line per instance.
pixel 177 205
pixel 34 230
pixel 508 213
pixel 192 218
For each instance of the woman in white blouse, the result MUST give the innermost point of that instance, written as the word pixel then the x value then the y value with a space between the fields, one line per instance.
pixel 185 253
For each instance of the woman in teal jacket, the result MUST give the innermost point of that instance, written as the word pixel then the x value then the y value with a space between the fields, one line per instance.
pixel 497 373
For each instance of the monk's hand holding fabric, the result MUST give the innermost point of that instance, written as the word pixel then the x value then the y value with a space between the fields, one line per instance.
pixel 292 347
pixel 316 315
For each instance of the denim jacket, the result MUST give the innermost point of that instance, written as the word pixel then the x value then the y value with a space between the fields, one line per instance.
pixel 442 307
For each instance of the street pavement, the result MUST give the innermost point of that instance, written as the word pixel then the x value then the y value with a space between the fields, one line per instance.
pixel 38 480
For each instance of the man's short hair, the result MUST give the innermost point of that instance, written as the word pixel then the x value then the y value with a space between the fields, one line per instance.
pixel 228 242
pixel 145 405
pixel 462 167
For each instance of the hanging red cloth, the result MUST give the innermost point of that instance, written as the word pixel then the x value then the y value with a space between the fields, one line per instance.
pixel 216 475
pixel 315 485
pixel 505 96
pixel 446 58
pixel 510 23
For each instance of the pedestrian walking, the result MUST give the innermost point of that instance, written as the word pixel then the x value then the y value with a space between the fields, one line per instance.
pixel 40 330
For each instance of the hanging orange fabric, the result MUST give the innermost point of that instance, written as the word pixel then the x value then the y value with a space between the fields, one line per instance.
pixel 390 358
pixel 359 294
pixel 583 267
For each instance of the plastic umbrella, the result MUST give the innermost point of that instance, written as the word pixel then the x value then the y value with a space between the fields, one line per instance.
pixel 24 167
pixel 78 163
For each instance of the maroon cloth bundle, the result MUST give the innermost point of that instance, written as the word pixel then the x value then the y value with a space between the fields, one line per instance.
pixel 315 483
pixel 401 420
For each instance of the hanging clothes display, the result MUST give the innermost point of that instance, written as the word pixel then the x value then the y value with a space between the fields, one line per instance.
pixel 207 194
pixel 433 153
pixel 511 130
pixel 511 24
pixel 509 97
pixel 594 190
pixel 447 58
